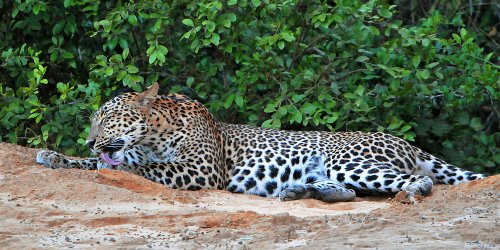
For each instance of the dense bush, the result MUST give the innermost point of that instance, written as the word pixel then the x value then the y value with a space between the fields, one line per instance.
pixel 409 69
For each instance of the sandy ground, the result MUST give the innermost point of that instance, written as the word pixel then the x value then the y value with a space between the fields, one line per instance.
pixel 41 207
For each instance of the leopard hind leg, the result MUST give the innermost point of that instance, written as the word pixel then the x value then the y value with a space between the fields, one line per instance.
pixel 373 177
pixel 442 172
pixel 316 185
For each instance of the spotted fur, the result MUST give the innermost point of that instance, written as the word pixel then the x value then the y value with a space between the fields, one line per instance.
pixel 175 141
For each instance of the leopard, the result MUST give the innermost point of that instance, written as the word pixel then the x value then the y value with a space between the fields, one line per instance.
pixel 175 141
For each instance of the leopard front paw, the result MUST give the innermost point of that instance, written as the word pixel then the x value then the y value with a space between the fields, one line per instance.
pixel 103 165
pixel 51 159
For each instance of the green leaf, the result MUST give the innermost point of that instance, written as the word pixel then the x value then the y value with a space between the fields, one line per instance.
pixel 123 43
pixel 426 42
pixel 58 27
pixel 226 23
pixel 104 24
pixel 256 3
pixel 385 13
pixel 297 98
pixel 309 108
pixel 431 65
pixel 36 9
pixel 253 117
pixel 67 3
pixel 373 30
pixel 409 136
pixel 282 111
pixel 15 11
pixel 117 58
pixel 490 89
pixel 423 74
pixel 189 81
pixel 496 158
pixel 68 55
pixel 415 60
pixel 132 19
pixel 13 137
pixel 152 58
pixel 359 90
pixel 132 69
pixel 475 123
pixel 463 32
pixel 211 26
pixel 215 39
pixel 325 96
pixel 333 118
pixel 281 45
pixel 405 128
pixel 109 71
pixel 457 38
pixel 229 100
pixel 162 49
pixel 362 58
pixel 296 83
pixel 157 25
pixel 239 101
pixel 187 34
pixel 160 56
pixel 322 17
pixel 350 96
pixel 297 117
pixel 393 126
pixel 287 36
pixel 188 22
pixel 125 53
pixel 270 108
pixel 267 123
pixel 337 18
pixel 121 74
pixel 276 123
pixel 488 56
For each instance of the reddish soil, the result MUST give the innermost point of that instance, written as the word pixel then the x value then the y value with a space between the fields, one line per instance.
pixel 42 207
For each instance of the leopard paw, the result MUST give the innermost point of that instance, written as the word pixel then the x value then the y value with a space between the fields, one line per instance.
pixel 295 193
pixel 422 186
pixel 51 159
pixel 103 165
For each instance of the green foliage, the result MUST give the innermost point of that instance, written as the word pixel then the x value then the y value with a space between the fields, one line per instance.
pixel 307 65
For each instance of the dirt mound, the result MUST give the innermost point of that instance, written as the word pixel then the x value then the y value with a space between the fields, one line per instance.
pixel 101 209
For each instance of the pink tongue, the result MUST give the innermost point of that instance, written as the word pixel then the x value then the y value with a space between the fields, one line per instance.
pixel 108 159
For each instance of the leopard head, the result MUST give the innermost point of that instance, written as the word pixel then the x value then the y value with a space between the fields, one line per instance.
pixel 120 123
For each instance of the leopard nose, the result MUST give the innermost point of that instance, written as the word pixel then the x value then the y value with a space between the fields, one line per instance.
pixel 90 144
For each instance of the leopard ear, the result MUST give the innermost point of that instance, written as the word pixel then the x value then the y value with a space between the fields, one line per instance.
pixel 147 98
